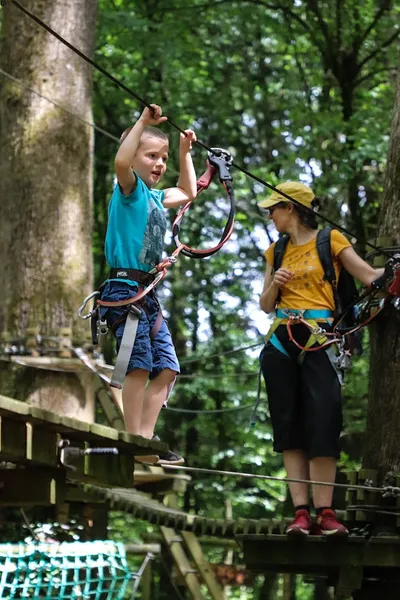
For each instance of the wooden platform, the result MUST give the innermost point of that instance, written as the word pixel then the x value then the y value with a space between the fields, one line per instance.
pixel 344 561
pixel 29 442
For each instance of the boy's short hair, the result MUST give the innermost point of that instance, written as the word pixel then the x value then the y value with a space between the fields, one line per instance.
pixel 149 131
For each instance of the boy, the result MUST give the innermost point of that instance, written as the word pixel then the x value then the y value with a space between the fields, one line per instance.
pixel 134 240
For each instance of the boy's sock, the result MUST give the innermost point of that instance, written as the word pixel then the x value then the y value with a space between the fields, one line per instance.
pixel 319 510
pixel 302 507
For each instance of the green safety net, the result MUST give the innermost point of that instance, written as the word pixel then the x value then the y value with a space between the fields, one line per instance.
pixel 78 570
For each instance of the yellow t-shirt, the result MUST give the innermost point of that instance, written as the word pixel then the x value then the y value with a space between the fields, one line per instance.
pixel 308 289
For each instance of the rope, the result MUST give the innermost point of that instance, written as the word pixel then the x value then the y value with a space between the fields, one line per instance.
pixel 346 486
pixel 233 351
pixel 145 103
pixel 32 531
pixel 209 412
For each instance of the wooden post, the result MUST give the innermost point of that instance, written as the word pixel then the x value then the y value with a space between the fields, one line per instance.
pixel 146 582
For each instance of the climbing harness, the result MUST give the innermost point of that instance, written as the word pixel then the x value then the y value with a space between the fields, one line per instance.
pixel 218 163
pixel 352 311
pixel 384 291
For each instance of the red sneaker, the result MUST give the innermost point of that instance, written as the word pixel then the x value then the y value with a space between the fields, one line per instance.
pixel 327 524
pixel 301 524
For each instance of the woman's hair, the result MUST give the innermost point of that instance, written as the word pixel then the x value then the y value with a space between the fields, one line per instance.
pixel 306 215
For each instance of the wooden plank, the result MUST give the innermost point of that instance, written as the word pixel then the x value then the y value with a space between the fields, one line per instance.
pixel 42 445
pixel 139 444
pixel 114 469
pixel 283 553
pixel 33 486
pixel 109 405
pixel 13 438
pixel 14 407
pixel 80 495
pixel 349 580
pixel 202 565
pixel 51 363
pixel 182 563
pixel 146 581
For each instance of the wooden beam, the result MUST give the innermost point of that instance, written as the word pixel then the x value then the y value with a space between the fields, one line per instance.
pixel 189 575
pixel 142 548
pixel 202 565
pixel 33 486
pixel 316 553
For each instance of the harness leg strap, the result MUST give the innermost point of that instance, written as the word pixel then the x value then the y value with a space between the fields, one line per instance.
pixel 125 350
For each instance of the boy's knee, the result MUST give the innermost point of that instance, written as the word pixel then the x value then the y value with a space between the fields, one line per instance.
pixel 167 375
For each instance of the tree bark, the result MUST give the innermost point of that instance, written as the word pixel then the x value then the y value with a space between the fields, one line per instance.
pixel 45 184
pixel 383 417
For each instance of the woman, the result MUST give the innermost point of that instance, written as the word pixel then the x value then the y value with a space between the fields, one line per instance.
pixel 304 390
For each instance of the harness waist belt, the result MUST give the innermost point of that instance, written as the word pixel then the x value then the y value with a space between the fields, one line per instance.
pixel 309 313
pixel 134 274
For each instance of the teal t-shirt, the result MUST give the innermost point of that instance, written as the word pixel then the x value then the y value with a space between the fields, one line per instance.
pixel 136 228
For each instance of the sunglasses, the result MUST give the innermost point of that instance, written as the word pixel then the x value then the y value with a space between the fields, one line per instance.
pixel 279 205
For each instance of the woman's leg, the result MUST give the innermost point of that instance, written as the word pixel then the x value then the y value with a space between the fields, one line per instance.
pixel 297 467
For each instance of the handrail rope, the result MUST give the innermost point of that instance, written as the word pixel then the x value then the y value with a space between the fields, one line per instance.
pixel 233 351
pixel 214 375
pixel 84 358
pixel 66 110
pixel 144 102
pixel 185 362
pixel 281 479
pixel 210 411
pixel 373 509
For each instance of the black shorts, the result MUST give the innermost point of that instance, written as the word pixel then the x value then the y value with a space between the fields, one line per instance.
pixel 305 401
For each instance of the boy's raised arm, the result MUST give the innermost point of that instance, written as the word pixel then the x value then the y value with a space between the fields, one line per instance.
pixel 186 189
pixel 127 150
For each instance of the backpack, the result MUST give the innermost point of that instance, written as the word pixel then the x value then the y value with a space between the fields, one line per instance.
pixel 345 291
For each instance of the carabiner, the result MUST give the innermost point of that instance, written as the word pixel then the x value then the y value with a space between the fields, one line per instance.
pixel 83 305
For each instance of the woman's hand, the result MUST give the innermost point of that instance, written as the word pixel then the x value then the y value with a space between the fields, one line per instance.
pixel 282 277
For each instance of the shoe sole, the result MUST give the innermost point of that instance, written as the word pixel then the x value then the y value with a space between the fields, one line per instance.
pixel 298 532
pixel 170 462
pixel 335 533
pixel 150 458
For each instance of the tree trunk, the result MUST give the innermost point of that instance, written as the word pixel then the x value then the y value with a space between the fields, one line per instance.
pixel 383 417
pixel 46 188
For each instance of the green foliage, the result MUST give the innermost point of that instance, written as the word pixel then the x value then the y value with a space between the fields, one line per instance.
pixel 297 90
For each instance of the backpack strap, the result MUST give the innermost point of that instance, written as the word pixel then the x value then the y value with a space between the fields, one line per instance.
pixel 279 251
pixel 325 257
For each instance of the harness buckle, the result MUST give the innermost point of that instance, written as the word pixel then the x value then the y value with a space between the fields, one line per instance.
pixel 317 330
pixel 293 313
pixel 221 159
pixel 102 327
pixel 135 310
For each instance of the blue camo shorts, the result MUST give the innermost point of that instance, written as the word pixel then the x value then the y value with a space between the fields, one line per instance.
pixel 153 355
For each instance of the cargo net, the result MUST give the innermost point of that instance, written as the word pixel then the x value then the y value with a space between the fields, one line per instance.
pixel 78 570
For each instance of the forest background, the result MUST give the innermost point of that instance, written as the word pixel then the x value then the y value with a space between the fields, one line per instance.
pixel 295 90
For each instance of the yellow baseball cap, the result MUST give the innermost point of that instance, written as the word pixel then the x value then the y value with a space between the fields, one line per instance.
pixel 298 191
